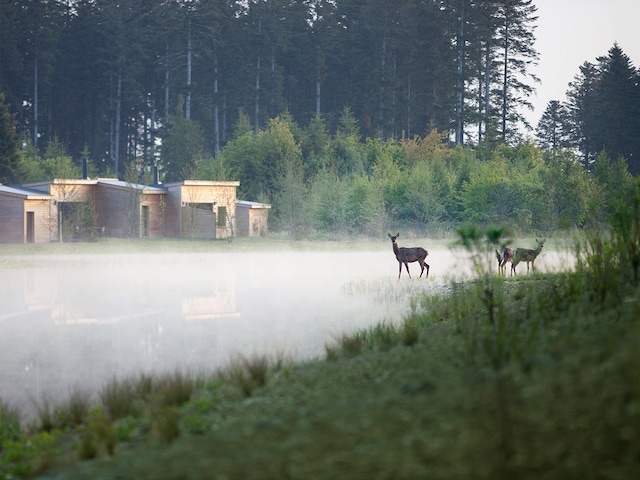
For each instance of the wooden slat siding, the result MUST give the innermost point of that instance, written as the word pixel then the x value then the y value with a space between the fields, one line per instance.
pixel 198 223
pixel 12 219
pixel 258 222
pixel 114 210
pixel 252 219
pixel 44 225
pixel 156 214
pixel 198 191
pixel 172 217
pixel 71 192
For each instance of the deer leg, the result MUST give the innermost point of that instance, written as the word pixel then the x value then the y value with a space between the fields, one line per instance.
pixel 406 265
pixel 400 270
pixel 427 267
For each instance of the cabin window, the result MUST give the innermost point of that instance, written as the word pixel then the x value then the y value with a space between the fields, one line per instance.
pixel 144 221
pixel 221 220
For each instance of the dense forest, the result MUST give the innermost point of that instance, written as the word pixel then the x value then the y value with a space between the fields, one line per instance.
pixel 368 113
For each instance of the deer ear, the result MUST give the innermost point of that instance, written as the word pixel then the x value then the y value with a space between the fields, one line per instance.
pixel 398 234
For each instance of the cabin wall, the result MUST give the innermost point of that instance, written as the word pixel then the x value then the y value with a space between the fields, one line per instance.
pixel 45 221
pixel 172 213
pixel 215 203
pixel 156 204
pixel 118 211
pixel 12 219
pixel 252 222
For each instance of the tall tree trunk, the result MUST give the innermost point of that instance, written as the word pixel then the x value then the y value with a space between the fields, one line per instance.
pixel 460 82
pixel 256 120
pixel 35 103
pixel 383 61
pixel 409 106
pixel 166 84
pixel 216 120
pixel 487 86
pixel 505 78
pixel 116 139
pixel 318 94
pixel 187 109
pixel 152 135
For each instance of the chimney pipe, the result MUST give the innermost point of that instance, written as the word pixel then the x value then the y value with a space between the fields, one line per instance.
pixel 155 175
pixel 84 168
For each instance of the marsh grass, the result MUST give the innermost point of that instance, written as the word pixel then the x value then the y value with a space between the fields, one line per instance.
pixel 72 412
pixel 248 374
pixel 120 399
pixel 176 388
pixel 387 291
pixel 10 421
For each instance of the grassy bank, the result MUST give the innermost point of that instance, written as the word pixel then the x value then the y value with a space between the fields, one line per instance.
pixel 501 378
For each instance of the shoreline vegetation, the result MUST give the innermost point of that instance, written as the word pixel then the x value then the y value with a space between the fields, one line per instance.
pixel 533 376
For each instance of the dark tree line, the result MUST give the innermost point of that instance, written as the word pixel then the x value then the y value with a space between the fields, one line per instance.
pixel 104 78
pixel 601 113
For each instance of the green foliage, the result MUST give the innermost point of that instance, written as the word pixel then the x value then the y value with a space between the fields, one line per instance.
pixel 182 148
pixel 328 200
pixel 570 192
pixel 424 194
pixel 365 207
pixel 97 437
pixel 249 373
pixel 54 163
pixel 118 398
pixel 9 422
pixel 507 190
pixel 28 456
pixel 174 389
pixel 9 144
pixel 167 423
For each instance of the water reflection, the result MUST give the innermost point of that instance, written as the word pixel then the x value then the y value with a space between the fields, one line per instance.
pixel 75 322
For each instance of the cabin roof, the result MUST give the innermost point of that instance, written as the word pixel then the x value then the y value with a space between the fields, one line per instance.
pixel 24 192
pixel 113 182
pixel 210 183
pixel 248 204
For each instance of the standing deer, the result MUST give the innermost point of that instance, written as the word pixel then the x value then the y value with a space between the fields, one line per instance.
pixel 505 255
pixel 526 255
pixel 406 255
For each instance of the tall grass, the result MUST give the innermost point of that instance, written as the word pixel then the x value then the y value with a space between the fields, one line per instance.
pixel 10 426
pixel 556 387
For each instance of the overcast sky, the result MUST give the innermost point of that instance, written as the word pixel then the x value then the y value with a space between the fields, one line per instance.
pixel 571 32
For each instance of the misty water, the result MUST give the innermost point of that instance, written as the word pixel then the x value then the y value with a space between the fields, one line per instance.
pixel 76 321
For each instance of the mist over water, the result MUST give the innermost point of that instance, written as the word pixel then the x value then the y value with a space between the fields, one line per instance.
pixel 75 322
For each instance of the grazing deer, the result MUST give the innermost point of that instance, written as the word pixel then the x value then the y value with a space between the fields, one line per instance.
pixel 526 255
pixel 406 255
pixel 505 255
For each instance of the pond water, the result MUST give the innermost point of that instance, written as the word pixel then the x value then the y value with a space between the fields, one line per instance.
pixel 75 321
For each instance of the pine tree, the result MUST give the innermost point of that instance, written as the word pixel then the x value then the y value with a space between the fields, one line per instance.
pixel 554 128
pixel 617 103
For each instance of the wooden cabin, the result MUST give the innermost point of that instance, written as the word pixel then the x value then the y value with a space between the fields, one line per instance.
pixel 201 209
pixel 82 209
pixel 252 219
pixel 25 215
